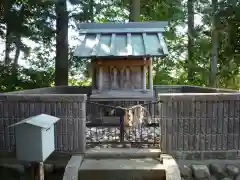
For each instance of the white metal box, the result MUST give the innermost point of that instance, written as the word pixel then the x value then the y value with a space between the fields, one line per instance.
pixel 35 138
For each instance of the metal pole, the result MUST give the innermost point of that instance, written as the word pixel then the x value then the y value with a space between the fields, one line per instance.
pixel 122 113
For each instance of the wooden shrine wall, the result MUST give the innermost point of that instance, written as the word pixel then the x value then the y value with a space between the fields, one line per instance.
pixel 128 73
pixel 122 82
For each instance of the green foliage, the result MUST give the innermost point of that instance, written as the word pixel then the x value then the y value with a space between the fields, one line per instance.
pixel 27 78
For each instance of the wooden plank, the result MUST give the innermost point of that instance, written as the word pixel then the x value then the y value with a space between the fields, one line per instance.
pixel 133 143
pixel 117 124
pixel 105 120
pixel 111 119
pixel 122 62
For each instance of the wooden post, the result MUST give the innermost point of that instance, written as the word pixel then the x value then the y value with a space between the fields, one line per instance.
pixel 150 84
pixel 115 85
pixel 100 79
pixel 110 77
pixel 144 78
pixel 150 77
pixel 37 171
pixel 128 79
pixel 122 80
pixel 93 74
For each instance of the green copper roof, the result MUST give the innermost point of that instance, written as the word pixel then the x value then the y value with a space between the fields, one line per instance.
pixel 134 39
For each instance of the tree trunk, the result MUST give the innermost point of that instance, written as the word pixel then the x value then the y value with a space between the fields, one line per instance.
pixel 18 39
pixel 61 61
pixel 7 6
pixel 8 43
pixel 134 10
pixel 213 66
pixel 190 5
pixel 16 57
pixel 91 4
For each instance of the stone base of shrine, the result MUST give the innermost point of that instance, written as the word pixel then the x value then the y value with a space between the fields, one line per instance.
pixel 122 95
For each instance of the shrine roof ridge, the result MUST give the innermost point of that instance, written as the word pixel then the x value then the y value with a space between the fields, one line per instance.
pixel 130 27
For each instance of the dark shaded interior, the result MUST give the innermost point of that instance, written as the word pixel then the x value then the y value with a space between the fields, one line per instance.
pixel 8 173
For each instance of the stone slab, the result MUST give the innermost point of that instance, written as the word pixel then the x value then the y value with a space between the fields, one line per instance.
pixel 219 169
pixel 126 164
pixel 72 168
pixel 200 171
pixel 122 153
pixel 118 169
pixel 171 167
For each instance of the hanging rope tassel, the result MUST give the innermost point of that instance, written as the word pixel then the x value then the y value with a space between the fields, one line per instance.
pixel 134 118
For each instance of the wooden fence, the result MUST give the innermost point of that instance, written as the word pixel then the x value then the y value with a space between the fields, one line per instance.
pixel 71 109
pixel 201 126
pixel 193 126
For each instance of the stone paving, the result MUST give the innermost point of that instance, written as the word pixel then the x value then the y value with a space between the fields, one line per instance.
pixel 189 170
pixel 213 171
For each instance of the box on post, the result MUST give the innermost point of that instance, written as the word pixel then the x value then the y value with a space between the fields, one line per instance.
pixel 35 138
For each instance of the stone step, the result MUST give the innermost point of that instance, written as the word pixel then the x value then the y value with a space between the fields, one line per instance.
pixel 127 169
pixel 98 153
pixel 80 167
pixel 122 175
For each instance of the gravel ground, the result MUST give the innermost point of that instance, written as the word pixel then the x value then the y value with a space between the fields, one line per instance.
pixel 149 135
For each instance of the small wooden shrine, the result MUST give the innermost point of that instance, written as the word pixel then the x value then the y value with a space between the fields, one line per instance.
pixel 121 57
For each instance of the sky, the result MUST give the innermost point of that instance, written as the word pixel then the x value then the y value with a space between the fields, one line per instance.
pixel 72 40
